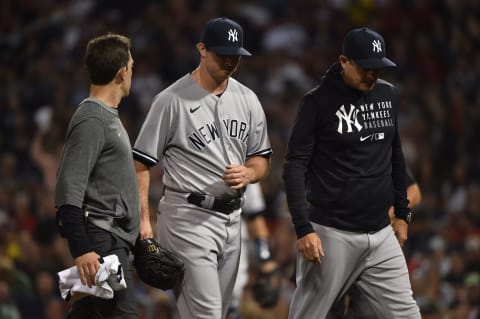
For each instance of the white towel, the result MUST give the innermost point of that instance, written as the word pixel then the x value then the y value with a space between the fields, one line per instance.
pixel 108 279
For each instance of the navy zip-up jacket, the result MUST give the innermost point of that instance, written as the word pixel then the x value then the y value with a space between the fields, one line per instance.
pixel 344 165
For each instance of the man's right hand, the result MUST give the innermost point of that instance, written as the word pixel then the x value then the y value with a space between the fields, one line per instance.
pixel 310 246
pixel 88 265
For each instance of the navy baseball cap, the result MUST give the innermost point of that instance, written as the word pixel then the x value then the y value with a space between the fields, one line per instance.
pixel 224 37
pixel 367 48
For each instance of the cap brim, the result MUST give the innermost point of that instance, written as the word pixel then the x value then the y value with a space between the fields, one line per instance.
pixel 376 63
pixel 229 51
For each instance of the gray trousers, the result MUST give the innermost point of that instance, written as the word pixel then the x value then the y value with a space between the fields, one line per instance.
pixel 374 261
pixel 209 244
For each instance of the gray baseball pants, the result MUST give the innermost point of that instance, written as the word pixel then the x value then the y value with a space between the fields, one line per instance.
pixel 209 244
pixel 374 261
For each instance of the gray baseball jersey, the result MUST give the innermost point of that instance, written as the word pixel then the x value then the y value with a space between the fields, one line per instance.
pixel 181 129
pixel 196 135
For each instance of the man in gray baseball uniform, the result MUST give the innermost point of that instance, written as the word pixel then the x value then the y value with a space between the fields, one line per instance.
pixel 210 133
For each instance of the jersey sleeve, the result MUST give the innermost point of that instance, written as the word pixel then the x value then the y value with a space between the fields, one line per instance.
pixel 258 141
pixel 83 145
pixel 155 132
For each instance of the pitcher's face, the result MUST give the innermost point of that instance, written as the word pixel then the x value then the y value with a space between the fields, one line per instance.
pixel 222 66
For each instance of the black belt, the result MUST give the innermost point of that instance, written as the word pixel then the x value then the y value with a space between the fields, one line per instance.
pixel 226 206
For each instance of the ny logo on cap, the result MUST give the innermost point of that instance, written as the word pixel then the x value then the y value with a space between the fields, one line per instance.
pixel 233 35
pixel 377 46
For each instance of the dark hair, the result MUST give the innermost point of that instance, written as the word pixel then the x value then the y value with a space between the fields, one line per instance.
pixel 105 55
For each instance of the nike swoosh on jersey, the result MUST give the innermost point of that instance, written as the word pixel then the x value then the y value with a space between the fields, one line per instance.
pixel 193 109
pixel 363 138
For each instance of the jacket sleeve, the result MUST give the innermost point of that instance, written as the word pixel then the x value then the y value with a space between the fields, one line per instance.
pixel 299 153
pixel 399 176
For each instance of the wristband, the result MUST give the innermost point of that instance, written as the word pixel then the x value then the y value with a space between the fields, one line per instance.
pixel 407 218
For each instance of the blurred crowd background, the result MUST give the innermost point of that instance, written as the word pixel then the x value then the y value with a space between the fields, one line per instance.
pixel 434 43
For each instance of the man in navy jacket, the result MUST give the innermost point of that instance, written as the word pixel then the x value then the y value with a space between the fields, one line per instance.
pixel 344 168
